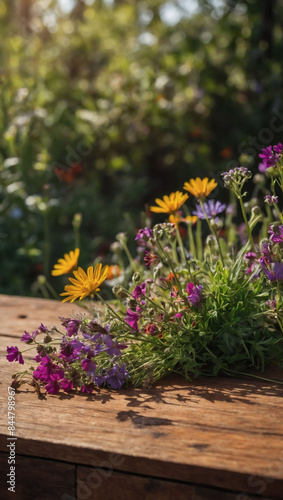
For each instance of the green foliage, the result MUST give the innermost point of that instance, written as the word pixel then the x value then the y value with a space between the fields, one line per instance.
pixel 138 103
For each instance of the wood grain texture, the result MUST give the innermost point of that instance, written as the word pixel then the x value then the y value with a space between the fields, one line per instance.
pixel 101 484
pixel 224 433
pixel 39 479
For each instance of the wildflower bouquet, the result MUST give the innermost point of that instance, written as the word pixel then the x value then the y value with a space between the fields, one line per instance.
pixel 203 296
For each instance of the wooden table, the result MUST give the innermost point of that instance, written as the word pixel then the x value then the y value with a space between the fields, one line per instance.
pixel 212 439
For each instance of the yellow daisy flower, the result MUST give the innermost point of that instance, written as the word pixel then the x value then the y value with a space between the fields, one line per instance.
pixel 85 283
pixel 170 204
pixel 200 188
pixel 66 265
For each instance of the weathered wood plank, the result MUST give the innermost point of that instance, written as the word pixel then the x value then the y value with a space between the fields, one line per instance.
pixel 100 484
pixel 25 313
pixel 38 479
pixel 226 433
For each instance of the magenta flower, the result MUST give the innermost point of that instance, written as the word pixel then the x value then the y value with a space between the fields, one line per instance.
pixel 27 338
pixel 194 293
pixel 67 385
pixel 276 233
pixel 139 291
pixel 132 319
pixel 144 236
pixel 53 386
pixel 270 156
pixel 13 354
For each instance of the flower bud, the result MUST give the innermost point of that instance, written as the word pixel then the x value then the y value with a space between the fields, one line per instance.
pixel 136 277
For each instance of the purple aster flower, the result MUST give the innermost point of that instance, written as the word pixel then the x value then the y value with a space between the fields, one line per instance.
pixel 277 270
pixel 67 385
pixel 143 236
pixel 194 293
pixel 139 291
pixel 211 208
pixel 132 319
pixel 276 233
pixel 117 376
pixel 13 354
pixel 27 337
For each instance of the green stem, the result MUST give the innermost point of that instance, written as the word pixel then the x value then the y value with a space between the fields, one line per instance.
pixel 213 231
pixel 184 259
pixel 192 241
pixel 278 212
pixel 113 313
pixel 199 240
pixel 247 224
pixel 128 253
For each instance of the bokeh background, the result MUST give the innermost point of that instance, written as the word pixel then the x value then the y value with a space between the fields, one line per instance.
pixel 106 104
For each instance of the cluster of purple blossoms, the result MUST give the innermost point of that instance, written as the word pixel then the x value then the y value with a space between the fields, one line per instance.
pixel 270 157
pixel 74 364
pixel 212 209
pixel 194 294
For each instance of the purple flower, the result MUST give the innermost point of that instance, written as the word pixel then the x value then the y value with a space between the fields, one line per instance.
pixel 88 365
pixel 267 253
pixel 211 208
pixel 139 291
pixel 271 200
pixel 117 376
pixel 132 319
pixel 143 236
pixel 277 270
pixel 67 385
pixel 27 337
pixel 278 148
pixel 270 156
pixel 276 233
pixel 13 354
pixel 53 386
pixel 194 293
pixel 87 388
pixel 250 256
pixel 42 328
pixel 67 351
pixel 73 327
pixel 44 371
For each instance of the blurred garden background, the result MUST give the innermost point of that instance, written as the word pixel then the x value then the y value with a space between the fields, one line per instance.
pixel 106 104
